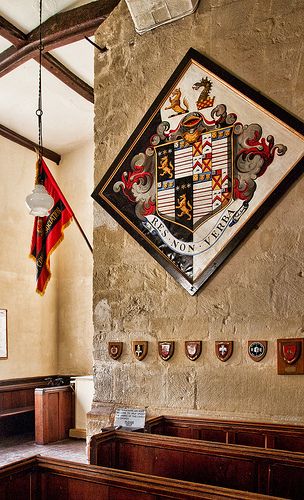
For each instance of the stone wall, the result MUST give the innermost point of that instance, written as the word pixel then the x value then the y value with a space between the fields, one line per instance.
pixel 258 292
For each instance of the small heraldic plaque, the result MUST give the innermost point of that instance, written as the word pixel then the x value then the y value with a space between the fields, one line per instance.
pixel 130 418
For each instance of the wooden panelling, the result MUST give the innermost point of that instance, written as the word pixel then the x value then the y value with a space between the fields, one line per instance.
pixel 54 413
pixel 18 480
pixel 286 484
pixel 41 478
pixel 232 466
pixel 278 436
pixel 17 405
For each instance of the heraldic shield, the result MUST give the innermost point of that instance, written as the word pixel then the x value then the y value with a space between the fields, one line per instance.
pixel 224 349
pixel 291 351
pixel 115 349
pixel 140 349
pixel 194 180
pixel 193 349
pixel 166 349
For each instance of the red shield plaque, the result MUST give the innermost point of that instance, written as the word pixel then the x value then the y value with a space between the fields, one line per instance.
pixel 115 349
pixel 193 349
pixel 291 351
pixel 223 349
pixel 140 349
pixel 166 349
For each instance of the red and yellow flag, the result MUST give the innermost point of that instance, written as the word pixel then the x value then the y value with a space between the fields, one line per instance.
pixel 48 231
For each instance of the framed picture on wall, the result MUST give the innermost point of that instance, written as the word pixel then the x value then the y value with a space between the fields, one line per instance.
pixel 3 333
pixel 207 161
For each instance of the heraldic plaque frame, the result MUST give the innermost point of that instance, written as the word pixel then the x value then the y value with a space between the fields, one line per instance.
pixel 210 158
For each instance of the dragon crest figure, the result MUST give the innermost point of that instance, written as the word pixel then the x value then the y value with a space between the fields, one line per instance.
pixel 204 99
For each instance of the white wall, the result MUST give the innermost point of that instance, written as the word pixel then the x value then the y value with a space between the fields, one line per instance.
pixel 50 334
pixel 32 320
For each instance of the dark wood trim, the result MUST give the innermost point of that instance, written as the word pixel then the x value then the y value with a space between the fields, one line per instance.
pixel 263 435
pixel 75 83
pixel 57 478
pixel 243 468
pixel 41 378
pixel 11 33
pixel 231 424
pixel 23 380
pixel 27 143
pixel 16 411
pixel 60 29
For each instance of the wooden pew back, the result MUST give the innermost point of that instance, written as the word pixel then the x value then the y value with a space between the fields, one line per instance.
pixel 40 478
pixel 263 435
pixel 243 468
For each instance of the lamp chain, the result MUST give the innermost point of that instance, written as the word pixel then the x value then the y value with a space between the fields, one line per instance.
pixel 39 111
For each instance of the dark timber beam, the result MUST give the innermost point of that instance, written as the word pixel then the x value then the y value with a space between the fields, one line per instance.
pixel 11 33
pixel 26 143
pixel 60 29
pixel 52 64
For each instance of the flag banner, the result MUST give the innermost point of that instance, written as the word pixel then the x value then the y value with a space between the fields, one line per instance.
pixel 48 231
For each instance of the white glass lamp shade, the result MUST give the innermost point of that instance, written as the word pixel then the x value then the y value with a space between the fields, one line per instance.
pixel 39 201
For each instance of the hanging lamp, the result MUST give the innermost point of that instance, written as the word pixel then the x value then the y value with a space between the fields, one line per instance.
pixel 39 202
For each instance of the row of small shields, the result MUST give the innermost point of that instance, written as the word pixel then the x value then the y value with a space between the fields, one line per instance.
pixel 193 348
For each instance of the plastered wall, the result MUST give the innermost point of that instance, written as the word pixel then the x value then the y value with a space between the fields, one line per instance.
pixel 258 292
pixel 74 295
pixel 32 320
pixel 50 334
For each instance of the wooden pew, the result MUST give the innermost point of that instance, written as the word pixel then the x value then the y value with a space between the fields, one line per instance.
pixel 39 478
pixel 274 436
pixel 17 404
pixel 269 472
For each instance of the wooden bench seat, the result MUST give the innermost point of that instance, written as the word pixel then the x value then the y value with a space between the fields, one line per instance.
pixel 39 478
pixel 270 472
pixel 16 411
pixel 264 435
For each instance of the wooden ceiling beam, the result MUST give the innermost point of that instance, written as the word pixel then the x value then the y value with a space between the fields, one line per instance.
pixel 11 33
pixel 55 67
pixel 60 29
pixel 26 143
pixel 67 27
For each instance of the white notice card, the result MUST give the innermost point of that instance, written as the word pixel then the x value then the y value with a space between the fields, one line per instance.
pixel 3 345
pixel 132 418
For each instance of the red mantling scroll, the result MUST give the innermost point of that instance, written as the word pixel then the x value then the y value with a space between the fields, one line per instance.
pixel 48 231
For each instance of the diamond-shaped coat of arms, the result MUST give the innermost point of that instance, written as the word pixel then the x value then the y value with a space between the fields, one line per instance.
pixel 208 159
